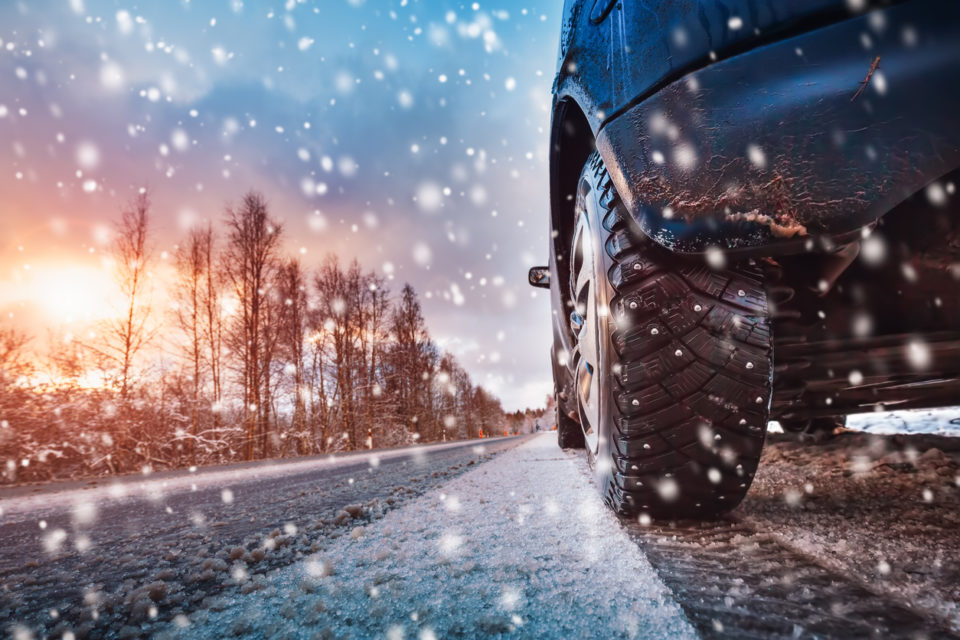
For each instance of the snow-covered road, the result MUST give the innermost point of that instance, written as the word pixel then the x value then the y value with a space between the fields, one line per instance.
pixel 29 500
pixel 520 545
pixel 856 537
pixel 127 557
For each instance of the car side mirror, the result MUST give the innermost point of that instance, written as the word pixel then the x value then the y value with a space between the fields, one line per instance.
pixel 539 277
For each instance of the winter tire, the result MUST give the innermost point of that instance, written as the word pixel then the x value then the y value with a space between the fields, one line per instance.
pixel 672 364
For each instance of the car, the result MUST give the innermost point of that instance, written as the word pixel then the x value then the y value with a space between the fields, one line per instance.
pixel 753 217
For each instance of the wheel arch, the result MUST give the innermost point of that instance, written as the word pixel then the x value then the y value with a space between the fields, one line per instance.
pixel 571 143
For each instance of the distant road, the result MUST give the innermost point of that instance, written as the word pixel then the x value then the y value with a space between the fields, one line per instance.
pixel 30 497
pixel 82 547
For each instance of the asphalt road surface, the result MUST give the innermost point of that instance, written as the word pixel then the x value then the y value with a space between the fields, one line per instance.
pixel 504 538
pixel 72 555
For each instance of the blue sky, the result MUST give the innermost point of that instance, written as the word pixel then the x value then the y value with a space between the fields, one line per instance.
pixel 409 134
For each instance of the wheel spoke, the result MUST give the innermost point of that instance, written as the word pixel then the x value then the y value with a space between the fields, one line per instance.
pixel 586 324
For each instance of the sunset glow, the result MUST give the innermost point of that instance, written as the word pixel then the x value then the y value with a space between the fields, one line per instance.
pixel 420 149
pixel 73 294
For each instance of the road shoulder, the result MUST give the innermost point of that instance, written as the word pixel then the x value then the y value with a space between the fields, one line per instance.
pixel 519 545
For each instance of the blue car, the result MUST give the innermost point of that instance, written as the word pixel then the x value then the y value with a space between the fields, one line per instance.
pixel 754 217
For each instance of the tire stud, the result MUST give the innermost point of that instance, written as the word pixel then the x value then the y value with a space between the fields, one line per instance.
pixel 715 482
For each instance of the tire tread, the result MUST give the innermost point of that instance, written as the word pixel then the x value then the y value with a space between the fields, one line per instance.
pixel 692 373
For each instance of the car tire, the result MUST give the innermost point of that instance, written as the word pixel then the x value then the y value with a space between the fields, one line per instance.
pixel 672 365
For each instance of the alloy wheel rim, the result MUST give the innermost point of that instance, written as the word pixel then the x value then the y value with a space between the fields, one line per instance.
pixel 587 320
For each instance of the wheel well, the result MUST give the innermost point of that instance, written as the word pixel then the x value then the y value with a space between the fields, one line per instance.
pixel 571 143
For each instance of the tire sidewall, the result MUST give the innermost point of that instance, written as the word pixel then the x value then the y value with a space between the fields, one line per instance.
pixel 693 397
pixel 602 458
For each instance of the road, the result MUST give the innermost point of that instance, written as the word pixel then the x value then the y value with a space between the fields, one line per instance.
pixel 81 549
pixel 855 538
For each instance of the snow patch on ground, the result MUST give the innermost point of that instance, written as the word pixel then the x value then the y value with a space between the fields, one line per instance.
pixel 945 421
pixel 521 545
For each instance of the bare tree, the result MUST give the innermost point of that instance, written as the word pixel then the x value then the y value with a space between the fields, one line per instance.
pixel 272 370
pixel 251 256
pixel 132 253
pixel 213 325
pixel 13 356
pixel 15 367
pixel 191 264
pixel 409 359
pixel 317 381
pixel 373 339
pixel 125 337
pixel 335 318
pixel 348 330
pixel 293 289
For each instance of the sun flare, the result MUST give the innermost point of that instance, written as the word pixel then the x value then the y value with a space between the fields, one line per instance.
pixel 69 293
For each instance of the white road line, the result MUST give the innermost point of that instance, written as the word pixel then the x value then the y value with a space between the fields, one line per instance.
pixel 50 498
pixel 519 545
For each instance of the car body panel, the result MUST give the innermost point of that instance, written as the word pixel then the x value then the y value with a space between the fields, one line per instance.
pixel 762 149
pixel 613 52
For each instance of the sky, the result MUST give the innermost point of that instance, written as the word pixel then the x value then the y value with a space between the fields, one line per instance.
pixel 411 135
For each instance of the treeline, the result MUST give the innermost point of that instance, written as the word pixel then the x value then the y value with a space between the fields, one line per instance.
pixel 260 357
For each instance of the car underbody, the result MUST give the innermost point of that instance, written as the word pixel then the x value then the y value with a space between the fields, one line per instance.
pixel 883 332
